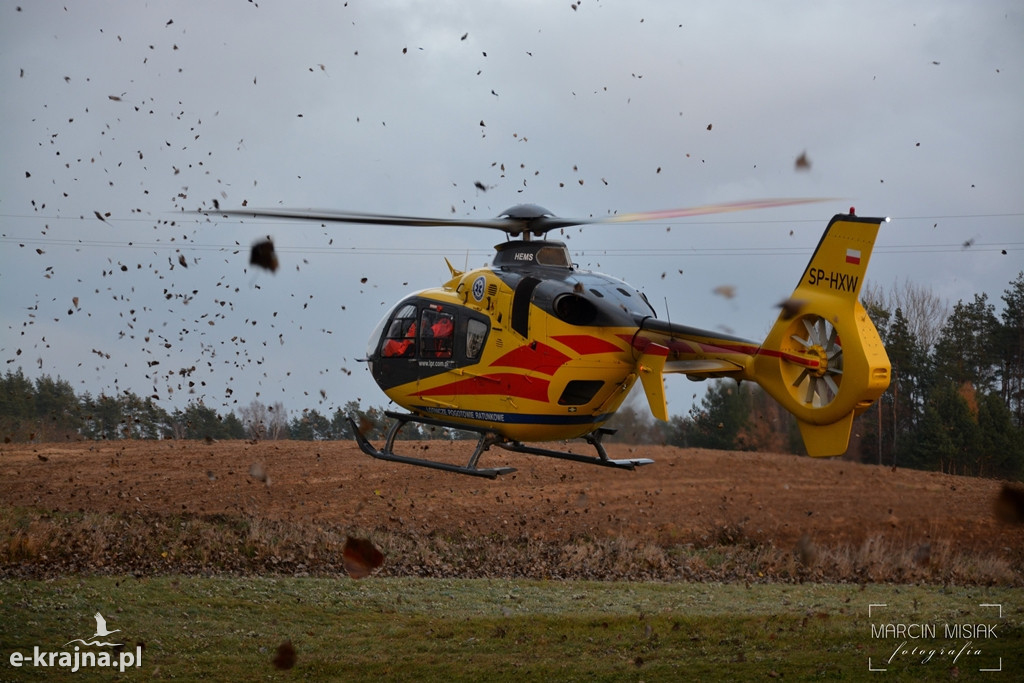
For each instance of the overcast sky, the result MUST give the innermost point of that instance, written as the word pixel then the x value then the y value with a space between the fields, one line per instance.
pixel 140 112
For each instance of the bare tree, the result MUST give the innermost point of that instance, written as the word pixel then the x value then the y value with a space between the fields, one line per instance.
pixel 255 418
pixel 277 424
pixel 925 312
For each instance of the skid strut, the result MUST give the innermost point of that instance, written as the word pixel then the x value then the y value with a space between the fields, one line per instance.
pixel 484 443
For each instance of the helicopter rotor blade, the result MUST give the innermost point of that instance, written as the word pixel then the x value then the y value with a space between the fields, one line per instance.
pixel 369 218
pixel 524 218
pixel 748 205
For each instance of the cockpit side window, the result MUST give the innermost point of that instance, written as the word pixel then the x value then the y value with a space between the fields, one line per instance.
pixel 476 334
pixel 421 330
pixel 437 332
pixel 400 340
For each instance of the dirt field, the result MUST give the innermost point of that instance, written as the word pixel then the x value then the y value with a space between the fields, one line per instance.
pixel 690 499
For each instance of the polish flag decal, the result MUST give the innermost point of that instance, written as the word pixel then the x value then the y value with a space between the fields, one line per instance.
pixel 853 256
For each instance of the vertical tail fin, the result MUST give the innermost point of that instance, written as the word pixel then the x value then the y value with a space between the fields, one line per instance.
pixel 823 359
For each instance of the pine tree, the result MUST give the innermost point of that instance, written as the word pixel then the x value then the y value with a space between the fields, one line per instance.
pixel 310 426
pixel 17 406
pixel 1011 349
pixel 723 413
pixel 909 379
pixel 1000 443
pixel 966 349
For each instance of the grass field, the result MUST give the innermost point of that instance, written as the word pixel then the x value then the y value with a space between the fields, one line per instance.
pixel 230 628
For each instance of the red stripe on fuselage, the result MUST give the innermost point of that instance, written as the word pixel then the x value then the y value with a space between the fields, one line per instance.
pixel 813 363
pixel 495 384
pixel 642 344
pixel 536 357
pixel 585 344
pixel 691 346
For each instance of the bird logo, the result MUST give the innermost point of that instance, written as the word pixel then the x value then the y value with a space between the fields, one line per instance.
pixel 101 632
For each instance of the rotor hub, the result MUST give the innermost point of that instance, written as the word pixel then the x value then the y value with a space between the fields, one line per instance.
pixel 525 212
pixel 818 353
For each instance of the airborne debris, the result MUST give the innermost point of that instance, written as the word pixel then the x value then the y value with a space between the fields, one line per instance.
pixel 802 162
pixel 791 307
pixel 727 291
pixel 1009 504
pixel 806 552
pixel 257 472
pixel 923 555
pixel 360 558
pixel 284 658
pixel 263 255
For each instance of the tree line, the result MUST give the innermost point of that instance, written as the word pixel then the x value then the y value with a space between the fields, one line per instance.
pixel 48 409
pixel 955 402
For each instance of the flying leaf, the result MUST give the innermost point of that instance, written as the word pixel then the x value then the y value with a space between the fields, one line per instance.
pixel 1009 504
pixel 360 558
pixel 727 291
pixel 257 472
pixel 284 658
pixel 791 307
pixel 263 255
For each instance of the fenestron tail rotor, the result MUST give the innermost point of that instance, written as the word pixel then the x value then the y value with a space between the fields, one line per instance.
pixel 819 386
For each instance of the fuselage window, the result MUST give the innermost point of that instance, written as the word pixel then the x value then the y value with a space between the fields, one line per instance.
pixel 476 333
pixel 553 256
pixel 437 331
pixel 400 341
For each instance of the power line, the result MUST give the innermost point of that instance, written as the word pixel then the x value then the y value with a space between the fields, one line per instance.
pixel 399 251
pixel 188 219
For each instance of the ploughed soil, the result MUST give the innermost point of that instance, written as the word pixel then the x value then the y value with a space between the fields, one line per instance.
pixel 693 513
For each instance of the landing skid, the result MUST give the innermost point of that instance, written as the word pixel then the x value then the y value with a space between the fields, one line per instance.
pixel 486 440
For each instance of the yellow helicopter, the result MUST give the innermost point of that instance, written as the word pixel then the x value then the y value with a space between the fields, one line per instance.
pixel 534 349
